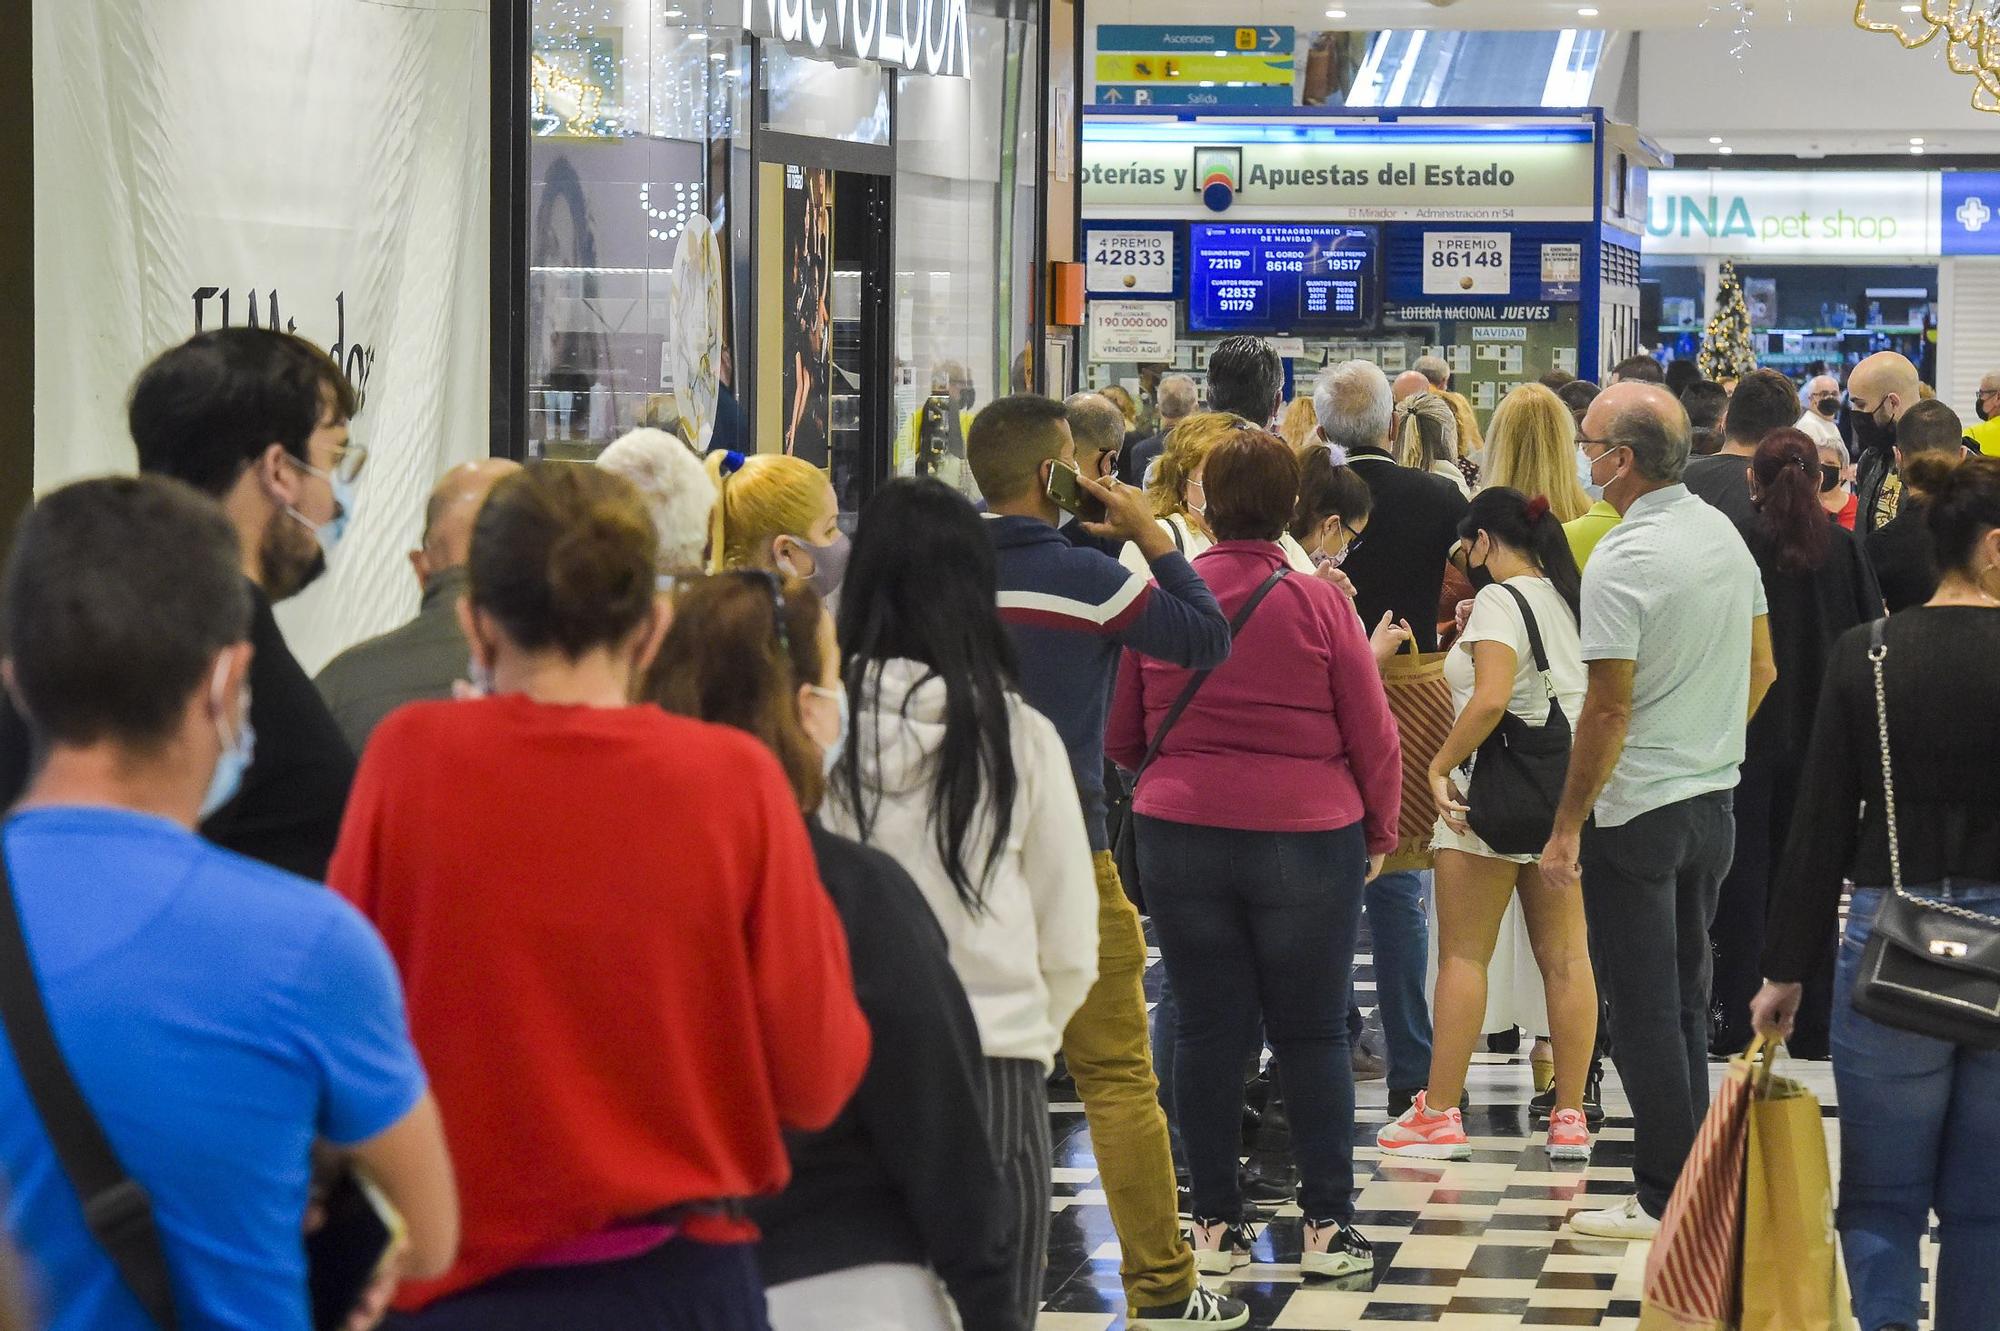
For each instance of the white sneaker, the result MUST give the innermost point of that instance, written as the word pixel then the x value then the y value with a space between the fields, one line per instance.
pixel 1220 1246
pixel 1627 1220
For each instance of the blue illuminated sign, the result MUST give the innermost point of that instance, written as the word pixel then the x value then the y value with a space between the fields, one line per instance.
pixel 1279 277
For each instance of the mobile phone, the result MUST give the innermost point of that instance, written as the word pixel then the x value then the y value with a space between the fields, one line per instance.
pixel 345 1252
pixel 1066 492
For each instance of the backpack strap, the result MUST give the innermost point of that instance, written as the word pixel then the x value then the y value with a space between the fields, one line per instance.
pixel 116 1208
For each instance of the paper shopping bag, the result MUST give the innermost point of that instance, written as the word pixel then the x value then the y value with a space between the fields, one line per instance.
pixel 1691 1273
pixel 1792 1279
pixel 1420 700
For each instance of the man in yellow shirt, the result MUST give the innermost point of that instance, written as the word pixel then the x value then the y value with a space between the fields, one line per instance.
pixel 1986 434
pixel 1585 532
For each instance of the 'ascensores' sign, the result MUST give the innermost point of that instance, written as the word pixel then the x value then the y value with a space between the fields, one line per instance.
pixel 923 36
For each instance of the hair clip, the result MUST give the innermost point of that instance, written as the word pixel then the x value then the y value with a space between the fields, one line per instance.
pixel 1538 508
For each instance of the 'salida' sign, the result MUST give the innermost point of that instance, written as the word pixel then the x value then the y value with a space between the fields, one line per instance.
pixel 923 36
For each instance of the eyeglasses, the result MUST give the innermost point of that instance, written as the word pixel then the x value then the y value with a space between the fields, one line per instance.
pixel 346 468
pixel 1353 536
pixel 770 581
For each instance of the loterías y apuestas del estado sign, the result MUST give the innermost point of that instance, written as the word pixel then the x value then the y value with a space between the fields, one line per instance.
pixel 922 36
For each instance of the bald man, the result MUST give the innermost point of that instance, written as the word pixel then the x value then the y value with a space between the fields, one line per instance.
pixel 1880 390
pixel 1408 384
pixel 426 656
pixel 1676 641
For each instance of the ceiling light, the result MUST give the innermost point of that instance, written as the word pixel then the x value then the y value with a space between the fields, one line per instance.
pixel 1725 150
pixel 1586 12
pixel 1916 143
pixel 1913 9
pixel 1715 138
pixel 1916 150
pixel 1336 13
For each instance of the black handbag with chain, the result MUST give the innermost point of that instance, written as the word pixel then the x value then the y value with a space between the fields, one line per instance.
pixel 1125 845
pixel 1518 772
pixel 1930 967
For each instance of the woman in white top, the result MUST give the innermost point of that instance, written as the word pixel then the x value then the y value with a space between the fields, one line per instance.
pixel 1514 552
pixel 950 772
pixel 1179 500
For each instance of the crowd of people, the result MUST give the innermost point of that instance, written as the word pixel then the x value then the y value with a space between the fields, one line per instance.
pixel 714 893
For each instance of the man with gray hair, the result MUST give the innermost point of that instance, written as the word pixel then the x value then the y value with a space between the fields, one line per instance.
pixel 1679 653
pixel 1822 413
pixel 1397 567
pixel 1436 372
pixel 1178 399
pixel 1098 428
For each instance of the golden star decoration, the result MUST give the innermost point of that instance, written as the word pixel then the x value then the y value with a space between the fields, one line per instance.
pixel 1970 30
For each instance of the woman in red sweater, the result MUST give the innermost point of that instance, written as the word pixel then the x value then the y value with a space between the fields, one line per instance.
pixel 621 967
pixel 1271 802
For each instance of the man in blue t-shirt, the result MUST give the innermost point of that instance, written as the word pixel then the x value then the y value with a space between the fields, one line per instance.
pixel 220 1017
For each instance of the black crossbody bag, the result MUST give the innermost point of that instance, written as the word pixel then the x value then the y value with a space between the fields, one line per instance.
pixel 116 1208
pixel 342 1255
pixel 1930 967
pixel 1518 771
pixel 1125 849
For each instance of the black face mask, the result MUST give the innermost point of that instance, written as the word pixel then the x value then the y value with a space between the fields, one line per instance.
pixel 1871 435
pixel 1828 407
pixel 1829 478
pixel 1980 407
pixel 1478 575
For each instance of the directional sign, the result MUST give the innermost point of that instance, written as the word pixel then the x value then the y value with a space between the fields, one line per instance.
pixel 1194 94
pixel 1190 68
pixel 1190 39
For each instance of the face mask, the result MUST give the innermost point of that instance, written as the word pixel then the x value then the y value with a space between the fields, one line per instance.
pixel 1829 478
pixel 1828 407
pixel 1980 407
pixel 234 760
pixel 330 532
pixel 829 757
pixel 479 677
pixel 1583 467
pixel 1199 510
pixel 1478 575
pixel 1872 434
pixel 829 564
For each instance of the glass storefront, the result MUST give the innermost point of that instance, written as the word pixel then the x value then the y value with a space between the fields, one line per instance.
pixel 875 230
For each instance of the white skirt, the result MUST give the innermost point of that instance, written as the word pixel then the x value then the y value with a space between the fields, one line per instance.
pixel 1514 995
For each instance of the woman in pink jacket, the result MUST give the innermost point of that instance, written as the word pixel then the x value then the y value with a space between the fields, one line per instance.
pixel 1267 807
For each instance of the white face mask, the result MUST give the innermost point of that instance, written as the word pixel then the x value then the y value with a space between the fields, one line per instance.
pixel 829 755
pixel 237 749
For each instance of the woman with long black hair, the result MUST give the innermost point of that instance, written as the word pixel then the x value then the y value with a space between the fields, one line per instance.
pixel 1516 555
pixel 970 789
pixel 1819 586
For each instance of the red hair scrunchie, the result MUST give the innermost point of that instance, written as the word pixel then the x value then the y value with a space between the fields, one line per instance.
pixel 1538 508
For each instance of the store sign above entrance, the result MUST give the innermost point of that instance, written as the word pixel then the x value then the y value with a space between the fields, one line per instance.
pixel 923 36
pixel 1371 180
pixel 1793 213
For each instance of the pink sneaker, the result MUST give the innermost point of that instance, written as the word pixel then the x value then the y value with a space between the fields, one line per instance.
pixel 1422 1135
pixel 1569 1136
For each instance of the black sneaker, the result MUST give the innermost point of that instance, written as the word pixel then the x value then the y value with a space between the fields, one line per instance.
pixel 1543 1105
pixel 1220 1246
pixel 1335 1248
pixel 1400 1102
pixel 1268 1181
pixel 1202 1309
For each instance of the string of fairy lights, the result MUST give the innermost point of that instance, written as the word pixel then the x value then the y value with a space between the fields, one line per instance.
pixel 1970 30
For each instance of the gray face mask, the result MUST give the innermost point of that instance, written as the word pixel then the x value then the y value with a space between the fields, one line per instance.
pixel 829 564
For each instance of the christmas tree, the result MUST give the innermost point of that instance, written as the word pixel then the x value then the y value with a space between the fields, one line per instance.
pixel 1725 346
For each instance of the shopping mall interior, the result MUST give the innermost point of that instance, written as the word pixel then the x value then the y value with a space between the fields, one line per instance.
pixel 1709 287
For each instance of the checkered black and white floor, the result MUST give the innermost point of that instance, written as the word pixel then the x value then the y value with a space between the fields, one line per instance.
pixel 1476 1245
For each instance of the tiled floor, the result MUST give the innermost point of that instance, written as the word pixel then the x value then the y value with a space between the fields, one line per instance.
pixel 1468 1246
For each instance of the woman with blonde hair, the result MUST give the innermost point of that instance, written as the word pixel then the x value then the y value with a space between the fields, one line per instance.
pixel 1179 499
pixel 777 512
pixel 1427 437
pixel 1531 447
pixel 1299 425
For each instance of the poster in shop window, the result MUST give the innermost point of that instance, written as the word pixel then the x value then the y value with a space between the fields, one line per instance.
pixel 808 317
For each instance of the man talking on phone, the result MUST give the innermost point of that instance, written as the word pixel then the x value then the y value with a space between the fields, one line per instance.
pixel 1071 610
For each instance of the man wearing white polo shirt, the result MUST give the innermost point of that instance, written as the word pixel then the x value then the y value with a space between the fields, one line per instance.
pixel 1679 653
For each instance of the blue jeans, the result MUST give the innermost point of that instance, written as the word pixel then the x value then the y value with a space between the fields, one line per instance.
pixel 1401 933
pixel 1257 931
pixel 1919 1131
pixel 678 1286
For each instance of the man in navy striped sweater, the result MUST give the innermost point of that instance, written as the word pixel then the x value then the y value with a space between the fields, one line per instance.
pixel 1071 611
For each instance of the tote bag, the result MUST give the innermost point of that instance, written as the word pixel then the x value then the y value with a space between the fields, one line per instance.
pixel 1420 700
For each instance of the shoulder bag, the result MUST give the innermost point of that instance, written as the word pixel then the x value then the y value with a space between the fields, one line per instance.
pixel 115 1206
pixel 342 1255
pixel 1930 967
pixel 1125 850
pixel 1518 772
